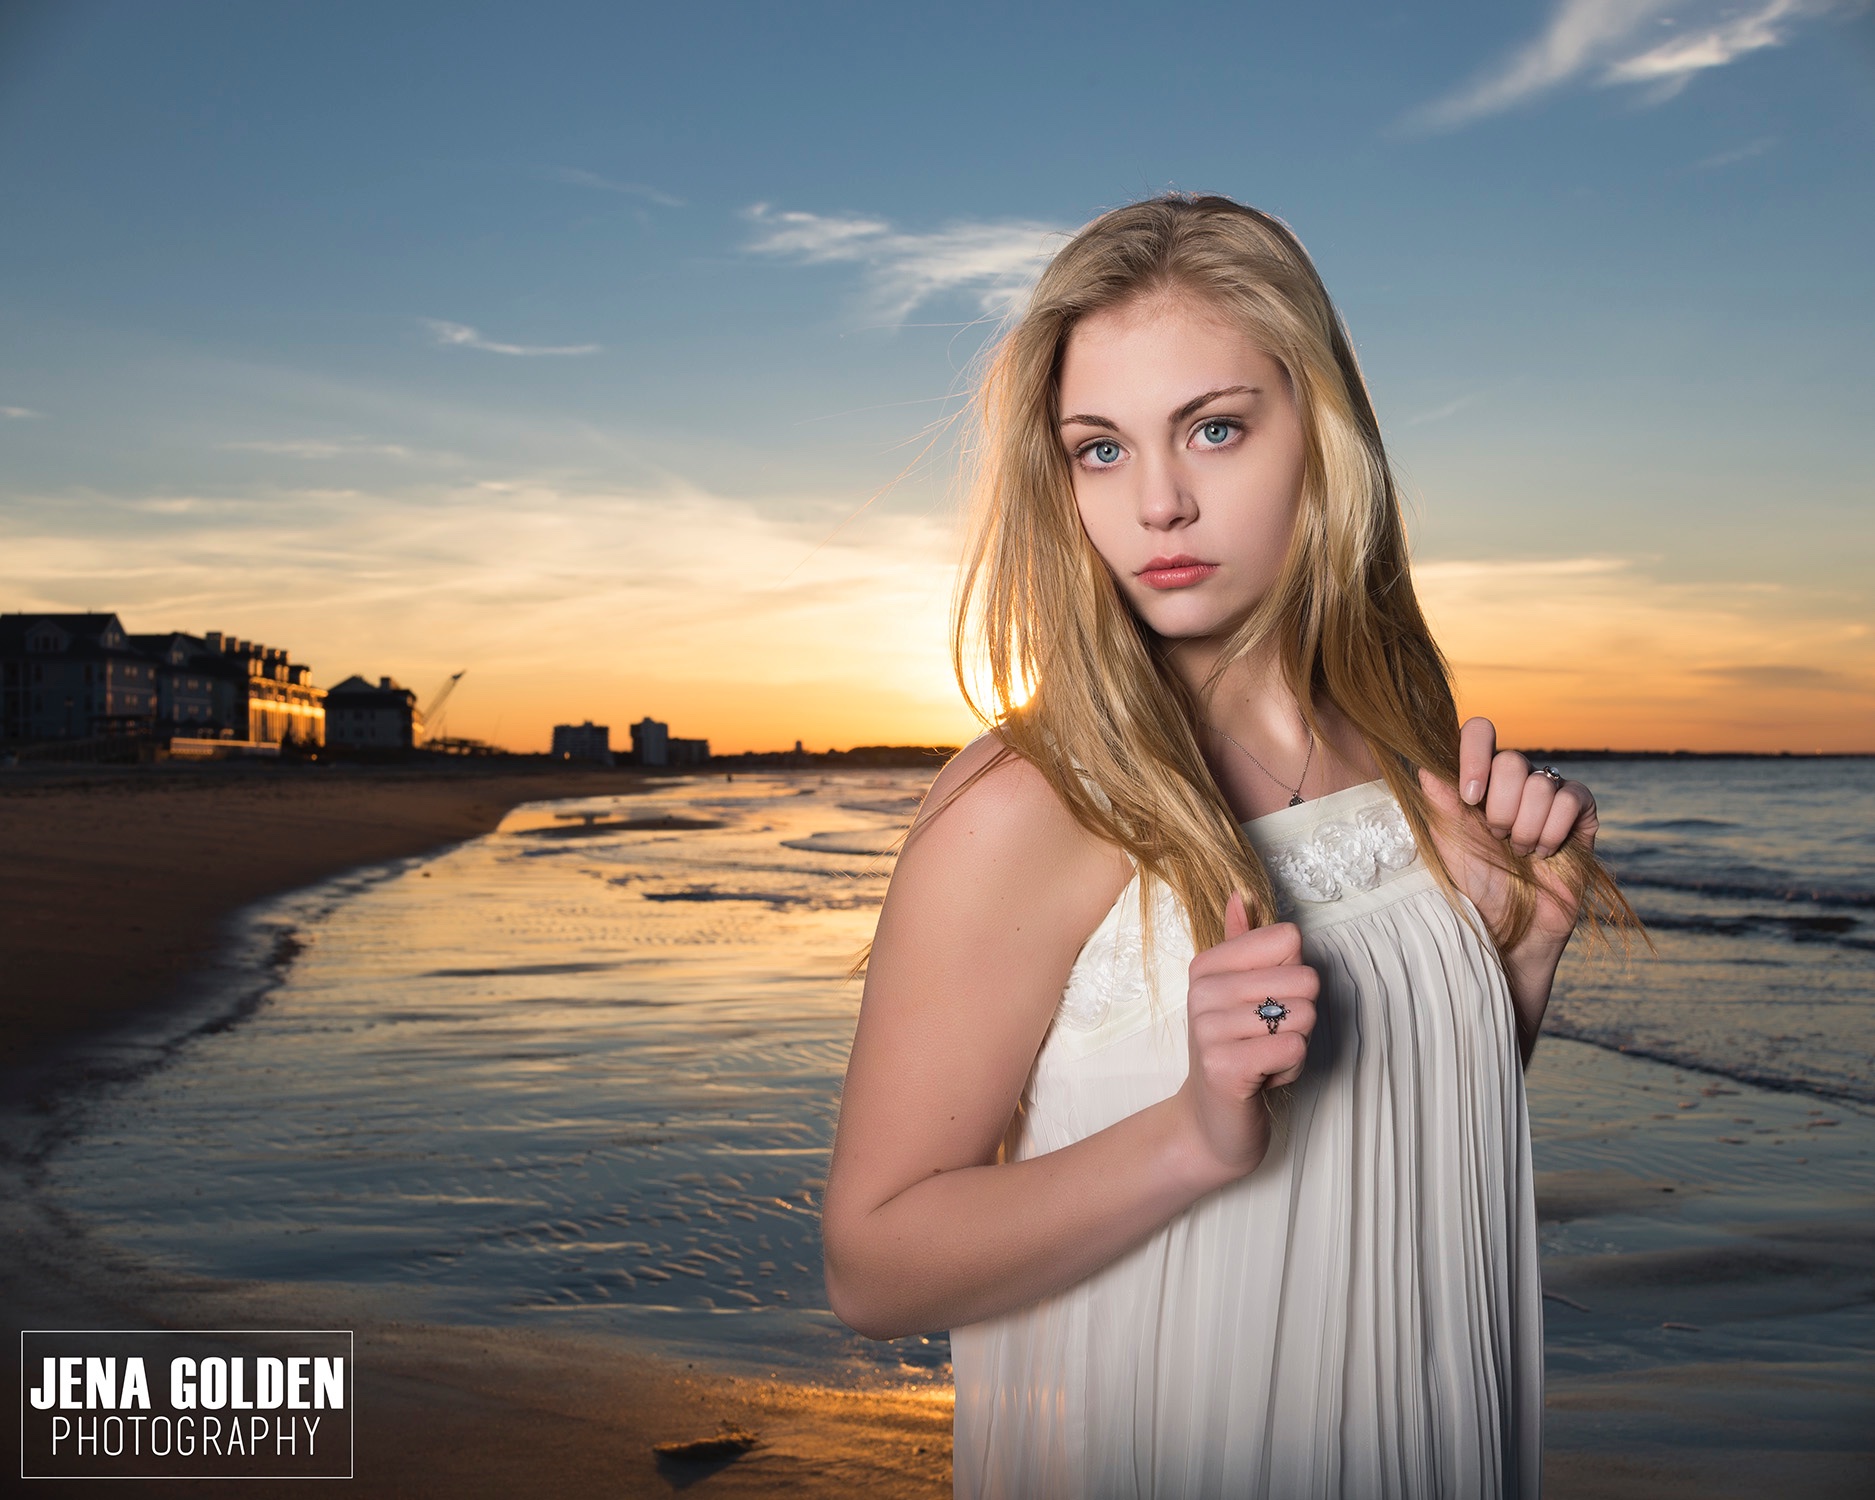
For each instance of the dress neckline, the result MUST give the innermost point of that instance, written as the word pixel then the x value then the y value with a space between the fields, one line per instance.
pixel 1308 812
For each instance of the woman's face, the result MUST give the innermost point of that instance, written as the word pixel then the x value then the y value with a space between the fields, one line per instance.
pixel 1187 455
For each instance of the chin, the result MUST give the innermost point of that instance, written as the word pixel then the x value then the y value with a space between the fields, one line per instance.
pixel 1176 624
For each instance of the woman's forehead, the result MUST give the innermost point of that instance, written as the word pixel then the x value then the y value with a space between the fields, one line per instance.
pixel 1154 354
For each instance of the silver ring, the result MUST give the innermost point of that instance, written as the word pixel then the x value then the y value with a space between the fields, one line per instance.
pixel 1555 776
pixel 1273 1011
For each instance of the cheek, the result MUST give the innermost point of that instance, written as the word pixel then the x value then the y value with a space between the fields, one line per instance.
pixel 1103 529
pixel 1268 500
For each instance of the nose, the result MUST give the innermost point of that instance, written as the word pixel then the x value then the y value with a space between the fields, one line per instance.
pixel 1165 501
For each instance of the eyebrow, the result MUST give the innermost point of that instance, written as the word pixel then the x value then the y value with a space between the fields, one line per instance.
pixel 1087 419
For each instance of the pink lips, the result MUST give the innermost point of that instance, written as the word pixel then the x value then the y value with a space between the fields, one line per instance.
pixel 1175 572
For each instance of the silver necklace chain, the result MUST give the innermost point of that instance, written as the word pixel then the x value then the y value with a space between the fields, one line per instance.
pixel 1295 792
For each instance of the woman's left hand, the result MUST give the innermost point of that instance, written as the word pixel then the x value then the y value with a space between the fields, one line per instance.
pixel 1531 812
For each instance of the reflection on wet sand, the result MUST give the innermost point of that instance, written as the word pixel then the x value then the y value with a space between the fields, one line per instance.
pixel 579 1081
pixel 579 1078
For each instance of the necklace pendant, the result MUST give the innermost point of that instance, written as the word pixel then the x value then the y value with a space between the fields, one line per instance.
pixel 1296 800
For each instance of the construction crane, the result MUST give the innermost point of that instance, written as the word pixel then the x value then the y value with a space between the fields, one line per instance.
pixel 432 716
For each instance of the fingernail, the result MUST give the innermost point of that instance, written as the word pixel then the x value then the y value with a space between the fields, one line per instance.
pixel 1474 789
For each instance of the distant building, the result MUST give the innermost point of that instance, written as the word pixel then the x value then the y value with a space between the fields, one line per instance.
pixel 193 695
pixel 651 743
pixel 587 741
pixel 80 676
pixel 362 717
pixel 269 698
pixel 65 677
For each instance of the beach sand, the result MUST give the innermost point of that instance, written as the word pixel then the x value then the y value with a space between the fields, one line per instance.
pixel 461 1411
pixel 116 890
pixel 1709 1281
pixel 117 884
pixel 1708 1251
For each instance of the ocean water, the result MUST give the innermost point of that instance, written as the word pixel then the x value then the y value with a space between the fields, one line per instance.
pixel 584 1071
pixel 1756 879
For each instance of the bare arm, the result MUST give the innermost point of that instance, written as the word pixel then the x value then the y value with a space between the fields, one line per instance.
pixel 990 903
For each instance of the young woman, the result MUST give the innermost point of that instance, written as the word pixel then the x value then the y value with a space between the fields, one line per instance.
pixel 1186 1090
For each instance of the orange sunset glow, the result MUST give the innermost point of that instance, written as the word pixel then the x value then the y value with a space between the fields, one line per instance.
pixel 832 629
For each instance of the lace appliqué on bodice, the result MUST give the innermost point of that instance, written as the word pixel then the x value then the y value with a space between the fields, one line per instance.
pixel 1111 969
pixel 1342 856
pixel 1338 857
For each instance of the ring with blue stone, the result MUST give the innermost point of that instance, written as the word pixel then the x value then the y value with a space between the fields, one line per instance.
pixel 1273 1011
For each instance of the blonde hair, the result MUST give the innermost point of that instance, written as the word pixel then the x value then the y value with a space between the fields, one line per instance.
pixel 1106 722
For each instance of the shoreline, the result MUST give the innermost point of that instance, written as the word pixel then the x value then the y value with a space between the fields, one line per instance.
pixel 472 1409
pixel 120 888
pixel 1840 1098
pixel 454 1409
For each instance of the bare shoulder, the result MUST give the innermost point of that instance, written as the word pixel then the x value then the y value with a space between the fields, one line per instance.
pixel 996 878
pixel 990 809
pixel 995 892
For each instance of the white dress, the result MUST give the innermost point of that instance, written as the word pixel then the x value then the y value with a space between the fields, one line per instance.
pixel 1361 1316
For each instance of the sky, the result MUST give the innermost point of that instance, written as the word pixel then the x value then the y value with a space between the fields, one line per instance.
pixel 614 353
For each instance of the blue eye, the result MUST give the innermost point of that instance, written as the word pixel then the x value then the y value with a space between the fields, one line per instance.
pixel 1216 433
pixel 1103 453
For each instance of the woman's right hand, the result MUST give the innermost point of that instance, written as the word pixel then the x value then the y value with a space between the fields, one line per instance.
pixel 1235 1057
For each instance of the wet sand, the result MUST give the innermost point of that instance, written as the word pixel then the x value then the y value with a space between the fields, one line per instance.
pixel 116 885
pixel 1708 1308
pixel 462 1411
pixel 117 889
pixel 1709 1281
pixel 1707 1246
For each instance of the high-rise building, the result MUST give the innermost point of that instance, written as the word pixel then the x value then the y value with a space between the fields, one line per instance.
pixel 651 743
pixel 587 741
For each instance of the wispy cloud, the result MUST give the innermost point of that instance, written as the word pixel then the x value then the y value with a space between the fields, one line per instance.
pixel 1673 63
pixel 1439 413
pixel 1659 46
pixel 462 336
pixel 21 414
pixel 580 177
pixel 710 612
pixel 313 448
pixel 1748 152
pixel 1783 676
pixel 993 261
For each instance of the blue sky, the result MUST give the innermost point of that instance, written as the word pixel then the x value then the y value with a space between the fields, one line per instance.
pixel 604 349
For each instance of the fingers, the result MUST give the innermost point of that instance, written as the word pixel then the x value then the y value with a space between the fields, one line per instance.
pixel 1236 920
pixel 1477 744
pixel 1534 804
pixel 1241 1069
pixel 1571 815
pixel 1503 796
pixel 1290 985
pixel 1242 1023
pixel 1255 948
pixel 1245 1065
pixel 1534 812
